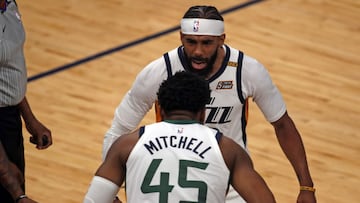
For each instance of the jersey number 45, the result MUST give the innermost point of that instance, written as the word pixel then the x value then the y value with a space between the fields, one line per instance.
pixel 164 188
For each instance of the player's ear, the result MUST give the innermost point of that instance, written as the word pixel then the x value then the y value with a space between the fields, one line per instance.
pixel 181 36
pixel 222 38
pixel 162 113
pixel 158 113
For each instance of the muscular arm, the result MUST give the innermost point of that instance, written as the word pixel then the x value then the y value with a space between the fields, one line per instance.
pixel 11 177
pixel 126 118
pixel 245 180
pixel 111 173
pixel 292 145
pixel 114 166
pixel 136 103
pixel 259 85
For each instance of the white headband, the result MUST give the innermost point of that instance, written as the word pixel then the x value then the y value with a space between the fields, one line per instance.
pixel 200 26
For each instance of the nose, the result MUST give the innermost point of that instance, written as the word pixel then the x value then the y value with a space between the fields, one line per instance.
pixel 198 51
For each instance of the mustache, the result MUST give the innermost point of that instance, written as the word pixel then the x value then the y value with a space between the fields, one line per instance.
pixel 200 59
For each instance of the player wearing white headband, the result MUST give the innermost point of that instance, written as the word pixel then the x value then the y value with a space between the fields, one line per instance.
pixel 234 78
pixel 202 159
pixel 200 26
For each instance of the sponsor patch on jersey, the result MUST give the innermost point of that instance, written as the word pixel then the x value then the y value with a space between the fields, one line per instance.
pixel 224 85
pixel 233 64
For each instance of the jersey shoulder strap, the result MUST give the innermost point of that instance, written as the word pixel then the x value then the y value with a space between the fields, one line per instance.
pixel 168 64
pixel 218 135
pixel 238 76
pixel 141 130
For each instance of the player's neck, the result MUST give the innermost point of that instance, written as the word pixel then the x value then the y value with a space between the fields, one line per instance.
pixel 181 115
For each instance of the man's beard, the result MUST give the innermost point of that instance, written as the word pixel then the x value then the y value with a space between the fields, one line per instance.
pixel 205 71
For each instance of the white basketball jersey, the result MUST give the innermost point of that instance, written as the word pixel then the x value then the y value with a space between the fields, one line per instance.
pixel 174 162
pixel 239 78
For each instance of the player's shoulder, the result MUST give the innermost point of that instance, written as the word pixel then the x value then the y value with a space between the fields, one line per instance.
pixel 248 60
pixel 158 65
pixel 126 142
pixel 251 67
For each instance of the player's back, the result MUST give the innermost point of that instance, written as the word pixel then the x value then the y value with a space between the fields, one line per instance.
pixel 176 162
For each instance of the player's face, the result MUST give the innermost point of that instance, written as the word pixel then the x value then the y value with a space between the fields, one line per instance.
pixel 201 51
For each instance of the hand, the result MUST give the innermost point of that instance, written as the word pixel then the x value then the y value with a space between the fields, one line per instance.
pixel 306 197
pixel 41 136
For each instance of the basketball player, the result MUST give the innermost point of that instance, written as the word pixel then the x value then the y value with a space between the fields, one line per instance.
pixel 234 78
pixel 178 159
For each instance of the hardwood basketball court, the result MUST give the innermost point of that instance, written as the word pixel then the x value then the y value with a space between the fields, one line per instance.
pixel 83 56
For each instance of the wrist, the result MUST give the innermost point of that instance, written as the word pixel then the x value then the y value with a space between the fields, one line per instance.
pixel 306 182
pixel 19 198
pixel 307 188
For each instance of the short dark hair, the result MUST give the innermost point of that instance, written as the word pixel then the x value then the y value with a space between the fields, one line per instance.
pixel 184 91
pixel 206 12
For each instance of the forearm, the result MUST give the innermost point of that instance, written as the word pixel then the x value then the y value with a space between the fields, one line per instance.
pixel 11 183
pixel 9 176
pixel 116 130
pixel 40 134
pixel 25 111
pixel 101 190
pixel 127 117
pixel 292 145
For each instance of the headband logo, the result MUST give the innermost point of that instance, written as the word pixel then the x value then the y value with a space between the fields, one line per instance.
pixel 196 25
